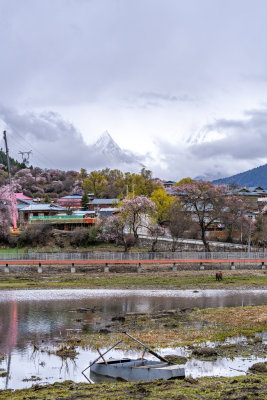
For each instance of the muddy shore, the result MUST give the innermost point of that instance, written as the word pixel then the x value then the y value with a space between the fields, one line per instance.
pixel 190 328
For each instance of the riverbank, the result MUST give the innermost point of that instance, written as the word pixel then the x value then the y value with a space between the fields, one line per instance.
pixel 230 332
pixel 210 337
pixel 131 280
pixel 184 327
pixel 240 388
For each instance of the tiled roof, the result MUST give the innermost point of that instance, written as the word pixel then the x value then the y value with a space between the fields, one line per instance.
pixel 71 197
pixel 82 212
pixel 104 201
pixel 43 207
pixel 108 209
pixel 21 196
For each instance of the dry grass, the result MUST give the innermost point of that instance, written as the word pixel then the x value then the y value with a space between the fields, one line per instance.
pixel 235 316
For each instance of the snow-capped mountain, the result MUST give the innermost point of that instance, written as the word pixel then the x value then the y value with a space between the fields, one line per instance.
pixel 114 156
pixel 208 177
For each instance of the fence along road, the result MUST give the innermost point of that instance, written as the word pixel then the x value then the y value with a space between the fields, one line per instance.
pixel 132 258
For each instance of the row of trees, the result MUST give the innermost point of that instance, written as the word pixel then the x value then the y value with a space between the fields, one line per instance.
pixel 105 183
pixel 108 183
pixel 198 208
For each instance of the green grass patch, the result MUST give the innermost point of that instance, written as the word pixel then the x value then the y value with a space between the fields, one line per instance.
pixel 129 281
pixel 11 250
pixel 188 389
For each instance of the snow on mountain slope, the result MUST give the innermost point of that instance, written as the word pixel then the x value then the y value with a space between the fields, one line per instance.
pixel 115 157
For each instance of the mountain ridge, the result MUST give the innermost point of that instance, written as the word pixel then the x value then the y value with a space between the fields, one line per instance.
pixel 252 177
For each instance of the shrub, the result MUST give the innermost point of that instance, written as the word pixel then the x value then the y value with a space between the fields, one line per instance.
pixel 34 235
pixel 79 237
pixel 93 232
pixel 129 241
pixel 59 242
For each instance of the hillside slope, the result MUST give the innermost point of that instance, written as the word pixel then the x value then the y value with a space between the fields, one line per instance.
pixel 13 162
pixel 253 177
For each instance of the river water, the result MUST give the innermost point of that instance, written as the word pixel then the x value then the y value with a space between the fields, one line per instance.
pixel 43 317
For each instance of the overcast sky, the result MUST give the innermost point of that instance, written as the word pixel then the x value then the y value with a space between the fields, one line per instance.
pixel 183 81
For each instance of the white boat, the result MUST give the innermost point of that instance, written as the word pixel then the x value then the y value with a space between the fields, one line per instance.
pixel 127 369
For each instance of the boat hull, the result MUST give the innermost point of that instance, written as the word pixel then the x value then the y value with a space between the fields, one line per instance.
pixel 138 370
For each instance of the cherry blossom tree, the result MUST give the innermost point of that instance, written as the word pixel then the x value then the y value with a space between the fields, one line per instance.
pixel 135 211
pixel 112 229
pixel 7 216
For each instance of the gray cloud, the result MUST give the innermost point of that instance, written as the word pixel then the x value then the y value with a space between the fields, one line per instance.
pixel 242 147
pixel 55 142
pixel 68 52
pixel 243 139
pixel 74 54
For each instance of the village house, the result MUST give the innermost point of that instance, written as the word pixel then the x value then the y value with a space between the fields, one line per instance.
pixel 38 210
pixel 100 204
pixel 73 201
pixel 65 221
pixel 254 195
pixel 23 201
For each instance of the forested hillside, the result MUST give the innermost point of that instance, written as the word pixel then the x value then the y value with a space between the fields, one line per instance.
pixel 50 184
pixel 253 177
pixel 13 162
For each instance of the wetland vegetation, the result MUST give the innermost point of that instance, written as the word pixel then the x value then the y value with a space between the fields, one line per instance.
pixel 133 280
pixel 239 388
pixel 205 334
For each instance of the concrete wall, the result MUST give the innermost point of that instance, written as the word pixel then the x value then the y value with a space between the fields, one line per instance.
pixel 164 245
pixel 128 268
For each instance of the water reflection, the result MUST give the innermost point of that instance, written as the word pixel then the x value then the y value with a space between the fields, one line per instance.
pixel 40 317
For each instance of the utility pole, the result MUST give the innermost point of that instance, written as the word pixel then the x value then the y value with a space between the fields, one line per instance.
pixel 249 236
pixel 7 158
pixel 12 196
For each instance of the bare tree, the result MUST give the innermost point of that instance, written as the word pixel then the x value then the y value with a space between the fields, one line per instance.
pixel 179 223
pixel 155 231
pixel 205 202
pixel 234 216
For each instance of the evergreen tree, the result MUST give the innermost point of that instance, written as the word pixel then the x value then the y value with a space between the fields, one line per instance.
pixel 84 201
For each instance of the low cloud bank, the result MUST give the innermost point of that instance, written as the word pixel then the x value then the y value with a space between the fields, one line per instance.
pixel 56 143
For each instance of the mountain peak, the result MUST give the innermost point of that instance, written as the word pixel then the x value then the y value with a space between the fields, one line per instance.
pixel 106 134
pixel 105 140
pixel 113 155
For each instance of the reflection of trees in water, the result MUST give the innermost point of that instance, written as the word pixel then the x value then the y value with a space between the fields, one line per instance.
pixel 65 365
pixel 32 321
pixel 8 327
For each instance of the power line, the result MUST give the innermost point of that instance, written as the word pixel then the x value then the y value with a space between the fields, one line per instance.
pixel 25 159
pixel 44 157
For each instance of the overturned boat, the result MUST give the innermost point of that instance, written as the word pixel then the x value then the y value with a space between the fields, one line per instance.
pixel 128 369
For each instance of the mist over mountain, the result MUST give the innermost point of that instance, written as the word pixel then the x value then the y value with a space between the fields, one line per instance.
pixel 253 177
pixel 113 156
pixel 208 177
pixel 58 144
